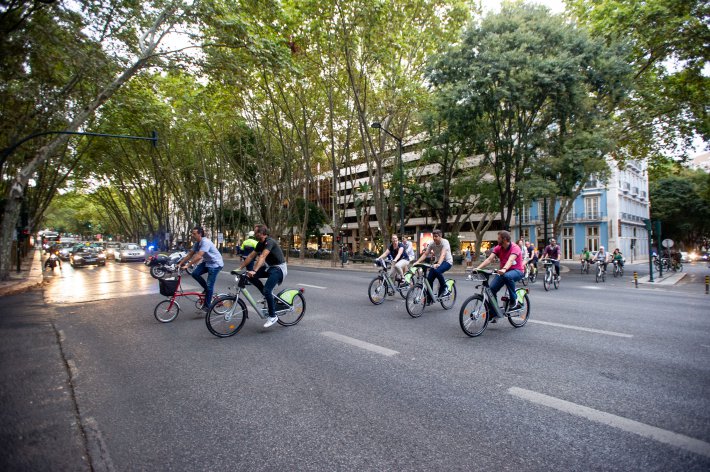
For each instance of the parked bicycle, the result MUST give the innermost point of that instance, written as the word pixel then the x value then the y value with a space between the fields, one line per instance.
pixel 229 312
pixel 551 277
pixel 169 309
pixel 478 309
pixel 417 297
pixel 383 285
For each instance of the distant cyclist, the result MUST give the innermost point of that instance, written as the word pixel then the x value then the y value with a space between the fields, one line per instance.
pixel 553 252
pixel 248 247
pixel 397 252
pixel 601 258
pixel 617 257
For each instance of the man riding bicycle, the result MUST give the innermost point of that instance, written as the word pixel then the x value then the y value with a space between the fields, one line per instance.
pixel 210 261
pixel 601 258
pixel 270 265
pixel 532 256
pixel 553 252
pixel 440 250
pixel 247 248
pixel 511 268
pixel 400 259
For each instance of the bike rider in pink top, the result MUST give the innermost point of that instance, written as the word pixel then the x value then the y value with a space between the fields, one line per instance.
pixel 511 268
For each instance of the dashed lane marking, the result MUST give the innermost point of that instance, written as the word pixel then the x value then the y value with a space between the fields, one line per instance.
pixel 313 286
pixel 361 344
pixel 579 328
pixel 657 434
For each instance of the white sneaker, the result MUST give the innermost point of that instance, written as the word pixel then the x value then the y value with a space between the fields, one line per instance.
pixel 270 321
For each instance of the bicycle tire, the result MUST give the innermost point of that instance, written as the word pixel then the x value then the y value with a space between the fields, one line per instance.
pixel 225 324
pixel 449 303
pixel 604 276
pixel 598 276
pixel 546 281
pixel 525 280
pixel 533 277
pixel 167 313
pixel 377 291
pixel 416 301
pixel 474 315
pixel 556 282
pixel 299 309
pixel 520 320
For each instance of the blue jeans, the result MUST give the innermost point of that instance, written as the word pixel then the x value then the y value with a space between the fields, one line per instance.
pixel 274 277
pixel 208 286
pixel 508 279
pixel 438 275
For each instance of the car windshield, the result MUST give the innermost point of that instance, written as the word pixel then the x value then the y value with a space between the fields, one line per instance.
pixel 131 247
pixel 113 245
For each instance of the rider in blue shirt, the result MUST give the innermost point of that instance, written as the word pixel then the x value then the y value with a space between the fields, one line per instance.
pixel 209 260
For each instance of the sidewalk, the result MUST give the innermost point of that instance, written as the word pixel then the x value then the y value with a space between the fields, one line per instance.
pixel 30 275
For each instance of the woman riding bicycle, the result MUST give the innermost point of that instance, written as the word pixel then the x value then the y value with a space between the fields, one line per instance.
pixel 400 260
pixel 511 267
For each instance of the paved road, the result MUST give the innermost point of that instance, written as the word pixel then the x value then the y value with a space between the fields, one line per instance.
pixel 603 377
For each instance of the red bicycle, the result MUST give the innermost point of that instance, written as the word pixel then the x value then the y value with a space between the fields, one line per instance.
pixel 167 310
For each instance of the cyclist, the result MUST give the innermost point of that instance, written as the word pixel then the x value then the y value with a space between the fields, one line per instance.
pixel 553 252
pixel 511 268
pixel 617 257
pixel 440 249
pixel 601 258
pixel 585 256
pixel 270 265
pixel 532 256
pixel 247 248
pixel 209 260
pixel 400 259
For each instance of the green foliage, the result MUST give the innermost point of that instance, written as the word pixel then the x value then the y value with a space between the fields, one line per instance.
pixel 316 217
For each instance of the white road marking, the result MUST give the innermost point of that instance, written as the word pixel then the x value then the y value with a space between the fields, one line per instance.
pixel 591 287
pixel 579 328
pixel 361 344
pixel 313 286
pixel 661 435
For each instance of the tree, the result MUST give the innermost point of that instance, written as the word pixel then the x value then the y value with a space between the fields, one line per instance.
pixel 669 54
pixel 524 85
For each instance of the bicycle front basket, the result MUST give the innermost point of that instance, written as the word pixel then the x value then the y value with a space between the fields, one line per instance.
pixel 168 287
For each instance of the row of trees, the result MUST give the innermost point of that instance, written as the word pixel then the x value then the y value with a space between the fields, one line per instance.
pixel 274 91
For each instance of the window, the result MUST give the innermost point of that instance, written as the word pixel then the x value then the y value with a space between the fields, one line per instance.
pixel 525 215
pixel 525 234
pixel 567 242
pixel 593 238
pixel 591 208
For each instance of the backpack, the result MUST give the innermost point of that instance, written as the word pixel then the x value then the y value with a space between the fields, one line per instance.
pixel 409 250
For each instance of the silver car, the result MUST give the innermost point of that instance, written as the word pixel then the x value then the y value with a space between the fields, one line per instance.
pixel 129 252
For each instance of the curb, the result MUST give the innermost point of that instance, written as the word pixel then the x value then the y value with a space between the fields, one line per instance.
pixel 27 280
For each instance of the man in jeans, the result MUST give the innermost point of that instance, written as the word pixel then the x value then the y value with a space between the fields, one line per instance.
pixel 270 265
pixel 209 260
pixel 440 249
pixel 511 268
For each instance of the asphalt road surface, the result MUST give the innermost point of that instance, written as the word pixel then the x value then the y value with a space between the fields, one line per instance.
pixel 603 377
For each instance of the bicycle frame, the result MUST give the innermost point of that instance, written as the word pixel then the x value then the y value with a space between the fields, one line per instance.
pixel 427 285
pixel 384 272
pixel 181 293
pixel 488 296
pixel 263 313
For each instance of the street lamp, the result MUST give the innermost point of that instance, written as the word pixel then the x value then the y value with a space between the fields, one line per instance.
pixel 378 125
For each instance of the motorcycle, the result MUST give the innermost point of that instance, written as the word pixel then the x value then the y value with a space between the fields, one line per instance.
pixel 164 265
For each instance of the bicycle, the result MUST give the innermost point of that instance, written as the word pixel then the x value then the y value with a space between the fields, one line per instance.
pixel 476 310
pixel 416 299
pixel 229 312
pixel 532 271
pixel 167 310
pixel 618 269
pixel 585 266
pixel 601 272
pixel 551 278
pixel 382 285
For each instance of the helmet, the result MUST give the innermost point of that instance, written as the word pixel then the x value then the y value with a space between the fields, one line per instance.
pixel 250 234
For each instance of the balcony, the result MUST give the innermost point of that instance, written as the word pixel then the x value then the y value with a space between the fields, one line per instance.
pixel 584 217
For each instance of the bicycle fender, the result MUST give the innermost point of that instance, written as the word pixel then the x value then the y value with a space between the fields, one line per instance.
pixel 287 295
pixel 450 284
pixel 520 294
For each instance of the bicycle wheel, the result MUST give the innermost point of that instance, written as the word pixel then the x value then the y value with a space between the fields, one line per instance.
pixel 582 269
pixel 224 323
pixel 416 301
pixel 166 311
pixel 377 291
pixel 225 306
pixel 474 315
pixel 603 276
pixel 448 303
pixel 598 277
pixel 533 277
pixel 295 313
pixel 556 281
pixel 519 317
pixel 403 291
pixel 546 282
pixel 524 280
pixel 680 267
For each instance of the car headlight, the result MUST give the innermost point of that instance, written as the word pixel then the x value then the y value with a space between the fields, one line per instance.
pixel 142 253
pixel 109 251
pixel 102 256
pixel 77 258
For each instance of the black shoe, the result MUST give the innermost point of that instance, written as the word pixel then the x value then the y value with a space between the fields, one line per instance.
pixel 447 293
pixel 516 307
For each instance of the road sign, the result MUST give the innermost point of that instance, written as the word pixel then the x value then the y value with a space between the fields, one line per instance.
pixel 667 243
pixel 220 238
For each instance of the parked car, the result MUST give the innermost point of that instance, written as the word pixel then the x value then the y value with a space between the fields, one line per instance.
pixel 684 257
pixel 65 250
pixel 129 252
pixel 111 249
pixel 86 255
